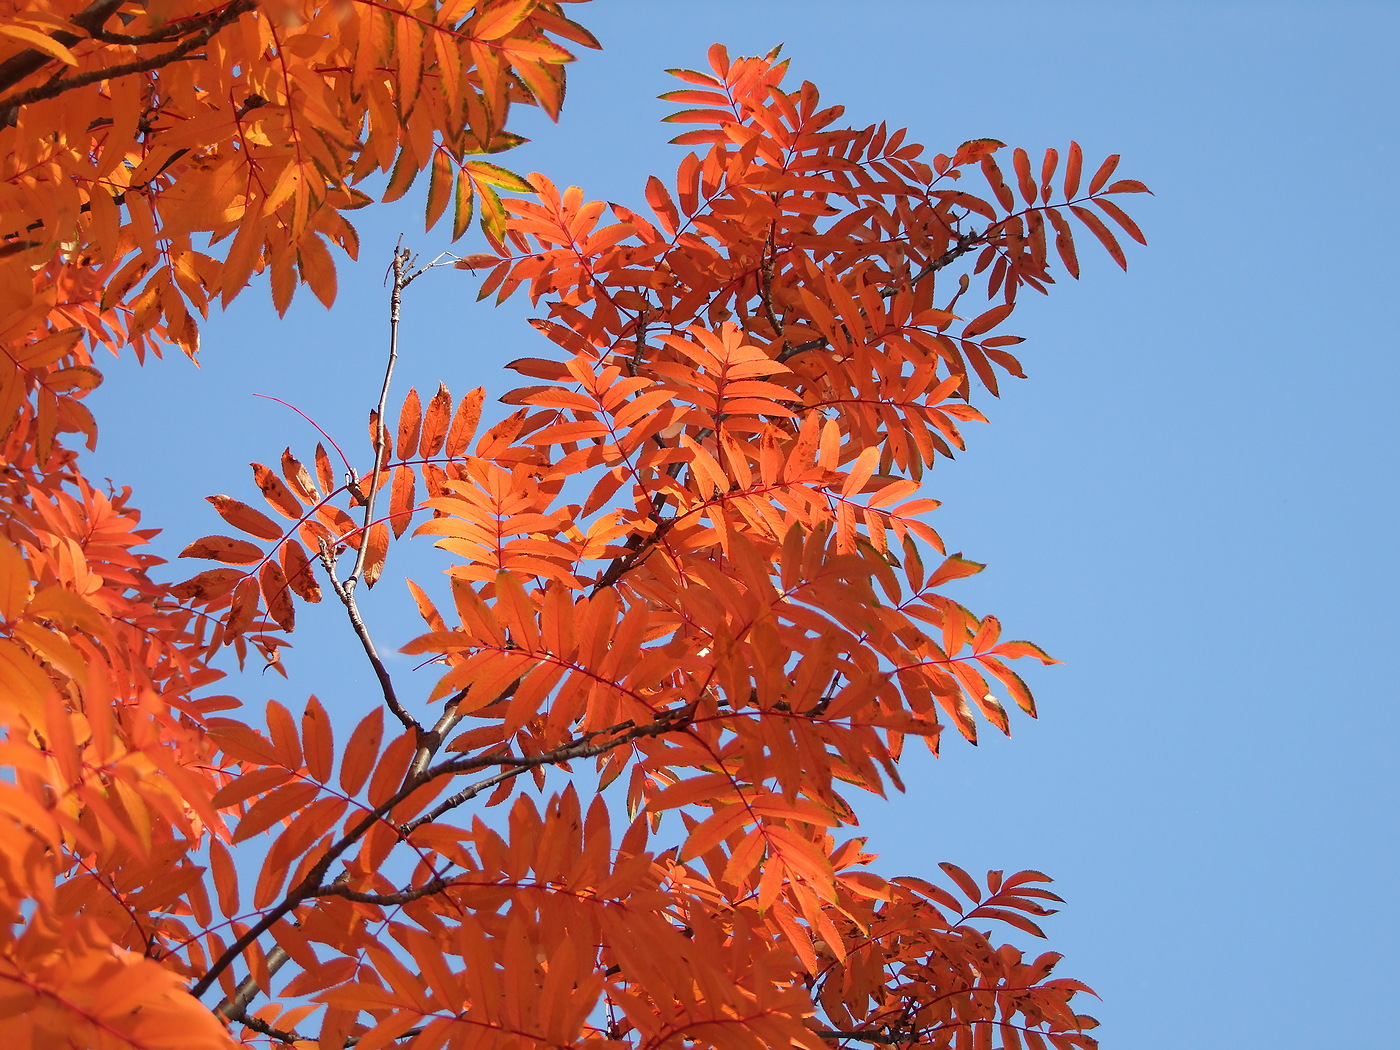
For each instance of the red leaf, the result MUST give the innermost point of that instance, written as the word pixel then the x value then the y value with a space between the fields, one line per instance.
pixel 985 322
pixel 1102 176
pixel 1074 164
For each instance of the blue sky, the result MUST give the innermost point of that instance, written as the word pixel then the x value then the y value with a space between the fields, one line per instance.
pixel 1192 500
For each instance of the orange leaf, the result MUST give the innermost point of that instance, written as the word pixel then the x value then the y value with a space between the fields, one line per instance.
pixel 208 585
pixel 954 567
pixel 301 577
pixel 242 609
pixel 277 494
pixel 362 752
pixel 1074 164
pixel 985 322
pixel 1102 232
pixel 435 422
pixel 298 480
pixel 465 422
pixel 410 422
pixel 245 518
pixel 965 882
pixel 276 806
pixel 324 474
pixel 276 595
pixel 376 552
pixel 318 740
pixel 401 499
pixel 1104 173
pixel 224 549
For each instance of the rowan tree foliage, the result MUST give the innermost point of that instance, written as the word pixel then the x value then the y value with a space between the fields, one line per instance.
pixel 694 603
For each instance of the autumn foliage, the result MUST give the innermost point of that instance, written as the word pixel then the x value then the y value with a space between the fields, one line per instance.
pixel 694 602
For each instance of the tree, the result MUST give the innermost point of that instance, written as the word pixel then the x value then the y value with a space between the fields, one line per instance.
pixel 693 599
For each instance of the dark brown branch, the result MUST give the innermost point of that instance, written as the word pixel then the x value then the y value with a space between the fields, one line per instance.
pixel 345 589
pixel 180 51
pixel 90 19
pixel 281 1035
pixel 870 1037
pixel 766 284
pixel 235 1006
pixel 387 900
pixel 964 244
pixel 583 747
pixel 311 882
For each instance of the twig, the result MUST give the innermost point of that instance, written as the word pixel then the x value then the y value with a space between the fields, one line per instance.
pixel 234 1007
pixel 583 747
pixel 281 1035
pixel 401 279
pixel 346 594
pixel 311 884
pixel 869 1037
pixel 964 244
pixel 387 900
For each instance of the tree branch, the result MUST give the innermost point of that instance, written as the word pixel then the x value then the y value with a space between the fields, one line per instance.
pixel 432 740
pixel 401 279
pixel 311 882
pixel 869 1037
pixel 964 244
pixel 17 67
pixel 352 610
pixel 54 88
pixel 281 1035
pixel 581 748
pixel 387 900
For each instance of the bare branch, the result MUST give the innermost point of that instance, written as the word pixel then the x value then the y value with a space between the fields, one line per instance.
pixel 346 594
pixel 400 281
pixel 281 1035
pixel 430 742
pixel 387 900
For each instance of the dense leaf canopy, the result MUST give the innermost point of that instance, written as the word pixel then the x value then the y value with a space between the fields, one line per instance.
pixel 694 604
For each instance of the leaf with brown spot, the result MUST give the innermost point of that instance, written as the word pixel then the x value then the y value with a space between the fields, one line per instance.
pixel 324 474
pixel 298 477
pixel 245 518
pixel 465 422
pixel 243 608
pixel 277 595
pixel 435 422
pixel 376 552
pixel 401 499
pixel 208 585
pixel 225 549
pixel 410 422
pixel 275 492
pixel 300 573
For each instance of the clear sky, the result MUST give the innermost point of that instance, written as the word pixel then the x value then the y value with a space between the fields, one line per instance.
pixel 1192 501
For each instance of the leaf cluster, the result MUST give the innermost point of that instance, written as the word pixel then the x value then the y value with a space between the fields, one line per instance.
pixel 692 579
